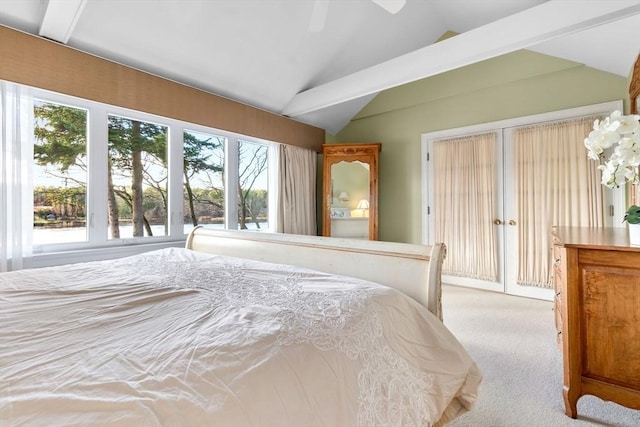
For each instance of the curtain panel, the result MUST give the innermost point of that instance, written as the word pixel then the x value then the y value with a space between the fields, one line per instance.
pixel 465 205
pixel 556 185
pixel 16 157
pixel 297 190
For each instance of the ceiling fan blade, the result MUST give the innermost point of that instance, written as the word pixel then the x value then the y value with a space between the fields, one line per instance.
pixel 318 15
pixel 391 6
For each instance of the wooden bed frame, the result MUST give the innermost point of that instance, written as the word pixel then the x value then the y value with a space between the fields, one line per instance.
pixel 413 269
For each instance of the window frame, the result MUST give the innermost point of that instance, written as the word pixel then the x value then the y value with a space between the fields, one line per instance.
pixel 96 199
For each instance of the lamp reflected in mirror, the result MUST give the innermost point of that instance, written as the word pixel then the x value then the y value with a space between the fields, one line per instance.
pixel 343 197
pixel 363 205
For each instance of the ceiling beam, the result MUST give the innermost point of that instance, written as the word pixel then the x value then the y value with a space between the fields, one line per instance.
pixel 549 20
pixel 60 19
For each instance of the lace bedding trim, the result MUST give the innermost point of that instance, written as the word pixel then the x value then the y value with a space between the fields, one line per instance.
pixel 391 392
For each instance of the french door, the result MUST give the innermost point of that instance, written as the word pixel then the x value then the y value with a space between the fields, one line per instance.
pixel 537 180
pixel 467 199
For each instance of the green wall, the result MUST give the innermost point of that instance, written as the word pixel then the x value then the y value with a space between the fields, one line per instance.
pixel 513 85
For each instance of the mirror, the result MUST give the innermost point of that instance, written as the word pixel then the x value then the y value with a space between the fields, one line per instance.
pixel 350 190
pixel 634 88
pixel 350 199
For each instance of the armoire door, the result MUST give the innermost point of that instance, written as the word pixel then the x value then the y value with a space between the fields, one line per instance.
pixel 350 190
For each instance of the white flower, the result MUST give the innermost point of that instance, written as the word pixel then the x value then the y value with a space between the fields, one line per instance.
pixel 622 133
pixel 628 152
pixel 599 140
pixel 625 124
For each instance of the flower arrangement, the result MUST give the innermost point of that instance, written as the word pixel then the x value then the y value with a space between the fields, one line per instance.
pixel 622 133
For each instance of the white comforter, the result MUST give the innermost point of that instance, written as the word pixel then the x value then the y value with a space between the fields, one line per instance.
pixel 179 338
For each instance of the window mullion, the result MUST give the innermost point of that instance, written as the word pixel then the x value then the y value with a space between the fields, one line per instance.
pixel 97 152
pixel 231 184
pixel 175 174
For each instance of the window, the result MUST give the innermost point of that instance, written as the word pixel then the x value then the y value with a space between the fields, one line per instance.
pixel 137 178
pixel 59 173
pixel 253 184
pixel 203 157
pixel 107 176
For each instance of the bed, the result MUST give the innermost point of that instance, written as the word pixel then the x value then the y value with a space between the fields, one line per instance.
pixel 234 329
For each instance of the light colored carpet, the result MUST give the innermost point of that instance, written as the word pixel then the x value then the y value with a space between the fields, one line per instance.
pixel 512 340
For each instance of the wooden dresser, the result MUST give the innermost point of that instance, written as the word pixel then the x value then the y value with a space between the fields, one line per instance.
pixel 597 281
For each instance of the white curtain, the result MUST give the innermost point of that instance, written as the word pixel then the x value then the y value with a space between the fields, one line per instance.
pixel 16 194
pixel 465 205
pixel 297 190
pixel 556 185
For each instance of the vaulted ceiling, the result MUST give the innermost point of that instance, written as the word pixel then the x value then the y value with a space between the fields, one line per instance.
pixel 321 61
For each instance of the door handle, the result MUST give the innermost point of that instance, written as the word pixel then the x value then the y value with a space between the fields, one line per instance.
pixel 497 222
pixel 512 222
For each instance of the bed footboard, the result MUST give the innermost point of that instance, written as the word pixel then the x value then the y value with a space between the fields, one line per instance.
pixel 413 269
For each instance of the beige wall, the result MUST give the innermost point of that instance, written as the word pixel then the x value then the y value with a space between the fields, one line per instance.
pixel 514 85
